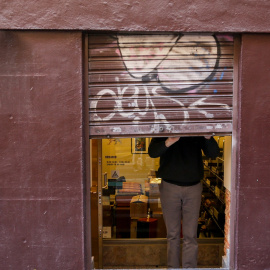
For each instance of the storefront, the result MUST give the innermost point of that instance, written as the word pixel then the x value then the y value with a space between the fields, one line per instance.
pixel 47 160
pixel 148 85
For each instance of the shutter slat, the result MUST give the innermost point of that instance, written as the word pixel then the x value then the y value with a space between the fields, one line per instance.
pixel 170 115
pixel 159 102
pixel 118 64
pixel 209 88
pixel 163 129
pixel 166 77
pixel 109 52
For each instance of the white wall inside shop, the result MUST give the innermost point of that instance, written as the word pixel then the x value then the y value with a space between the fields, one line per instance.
pixel 227 161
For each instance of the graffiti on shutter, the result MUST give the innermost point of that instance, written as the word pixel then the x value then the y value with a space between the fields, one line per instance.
pixel 152 85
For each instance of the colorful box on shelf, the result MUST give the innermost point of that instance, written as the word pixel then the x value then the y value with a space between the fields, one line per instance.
pixel 217 191
pixel 154 203
pixel 138 206
pixel 215 213
pixel 154 186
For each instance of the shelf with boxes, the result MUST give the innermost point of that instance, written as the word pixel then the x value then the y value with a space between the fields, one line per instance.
pixel 145 212
pixel 213 197
pixel 133 210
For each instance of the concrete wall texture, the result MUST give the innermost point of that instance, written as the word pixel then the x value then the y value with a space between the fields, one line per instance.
pixel 128 15
pixel 42 176
pixel 253 219
pixel 42 212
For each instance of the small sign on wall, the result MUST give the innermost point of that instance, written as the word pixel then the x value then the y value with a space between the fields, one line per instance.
pixel 115 174
pixel 107 232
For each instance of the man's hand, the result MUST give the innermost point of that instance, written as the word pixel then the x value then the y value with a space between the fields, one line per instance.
pixel 171 140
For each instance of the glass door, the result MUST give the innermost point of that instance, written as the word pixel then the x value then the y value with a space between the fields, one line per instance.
pixel 125 203
pixel 129 198
pixel 98 185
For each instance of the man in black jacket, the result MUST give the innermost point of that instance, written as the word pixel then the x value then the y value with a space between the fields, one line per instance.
pixel 181 170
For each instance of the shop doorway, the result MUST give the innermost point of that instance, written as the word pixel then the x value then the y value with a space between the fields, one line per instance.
pixel 128 230
pixel 145 85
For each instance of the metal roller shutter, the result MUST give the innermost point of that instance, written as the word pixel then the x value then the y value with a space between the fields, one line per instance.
pixel 152 85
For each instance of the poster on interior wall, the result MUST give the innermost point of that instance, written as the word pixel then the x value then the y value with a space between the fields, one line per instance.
pixel 127 157
pixel 139 145
pixel 116 157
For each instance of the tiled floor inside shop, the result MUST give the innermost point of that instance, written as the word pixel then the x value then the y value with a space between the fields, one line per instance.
pixel 143 254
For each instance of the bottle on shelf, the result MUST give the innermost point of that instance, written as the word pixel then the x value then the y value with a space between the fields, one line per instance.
pixel 148 214
pixel 213 201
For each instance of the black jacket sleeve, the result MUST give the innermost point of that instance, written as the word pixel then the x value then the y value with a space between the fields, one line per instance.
pixel 157 147
pixel 210 148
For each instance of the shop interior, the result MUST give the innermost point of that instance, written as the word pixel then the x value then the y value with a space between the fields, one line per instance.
pixel 125 205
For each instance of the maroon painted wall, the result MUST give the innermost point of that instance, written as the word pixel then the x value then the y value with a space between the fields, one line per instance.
pixel 42 202
pixel 252 242
pixel 128 15
pixel 41 142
